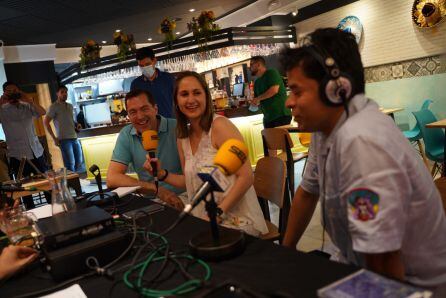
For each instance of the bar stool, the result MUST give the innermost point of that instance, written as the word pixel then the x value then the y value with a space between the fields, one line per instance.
pixel 278 139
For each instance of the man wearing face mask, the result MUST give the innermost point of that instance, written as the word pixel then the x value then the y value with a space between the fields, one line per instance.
pixel 16 115
pixel 159 83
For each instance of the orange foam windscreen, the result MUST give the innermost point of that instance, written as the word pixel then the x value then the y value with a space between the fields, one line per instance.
pixel 150 140
pixel 231 156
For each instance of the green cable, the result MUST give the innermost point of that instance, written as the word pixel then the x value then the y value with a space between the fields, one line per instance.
pixel 184 288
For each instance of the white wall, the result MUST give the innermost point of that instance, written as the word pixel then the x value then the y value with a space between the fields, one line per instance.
pixel 389 34
pixel 2 68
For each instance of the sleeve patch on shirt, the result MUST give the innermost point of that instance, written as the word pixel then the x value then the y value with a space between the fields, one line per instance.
pixel 364 204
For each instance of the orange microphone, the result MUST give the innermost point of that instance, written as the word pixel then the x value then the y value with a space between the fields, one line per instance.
pixel 150 144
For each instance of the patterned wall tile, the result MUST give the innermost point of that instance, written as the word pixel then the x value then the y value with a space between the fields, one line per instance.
pixel 406 69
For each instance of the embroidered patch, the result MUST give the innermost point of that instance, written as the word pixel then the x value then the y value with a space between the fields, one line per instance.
pixel 364 204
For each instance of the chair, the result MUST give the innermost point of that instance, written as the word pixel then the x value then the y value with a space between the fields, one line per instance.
pixel 269 184
pixel 279 139
pixel 441 185
pixel 414 135
pixel 433 138
pixel 305 140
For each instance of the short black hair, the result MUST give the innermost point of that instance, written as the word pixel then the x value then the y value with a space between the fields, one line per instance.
pixel 259 59
pixel 145 52
pixel 9 83
pixel 62 87
pixel 138 92
pixel 339 45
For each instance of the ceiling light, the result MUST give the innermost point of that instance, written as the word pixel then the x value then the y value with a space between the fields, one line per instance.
pixel 104 41
pixel 295 12
pixel 118 30
pixel 149 39
pixel 178 33
pixel 192 9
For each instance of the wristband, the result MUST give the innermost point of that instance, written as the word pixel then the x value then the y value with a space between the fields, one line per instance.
pixel 164 176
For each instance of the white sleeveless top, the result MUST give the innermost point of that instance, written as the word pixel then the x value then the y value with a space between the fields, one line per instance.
pixel 246 215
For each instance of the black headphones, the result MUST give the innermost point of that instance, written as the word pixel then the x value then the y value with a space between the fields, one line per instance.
pixel 335 89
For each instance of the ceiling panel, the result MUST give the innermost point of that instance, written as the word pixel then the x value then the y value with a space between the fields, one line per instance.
pixel 71 22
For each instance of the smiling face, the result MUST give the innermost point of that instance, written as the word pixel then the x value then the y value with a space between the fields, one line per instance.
pixel 191 98
pixel 142 114
pixel 307 108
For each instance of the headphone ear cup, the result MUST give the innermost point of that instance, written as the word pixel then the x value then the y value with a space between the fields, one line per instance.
pixel 334 88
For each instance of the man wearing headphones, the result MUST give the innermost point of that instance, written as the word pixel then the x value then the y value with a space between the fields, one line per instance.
pixel 379 204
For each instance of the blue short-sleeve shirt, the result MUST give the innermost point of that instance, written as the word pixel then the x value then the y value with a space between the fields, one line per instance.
pixel 130 151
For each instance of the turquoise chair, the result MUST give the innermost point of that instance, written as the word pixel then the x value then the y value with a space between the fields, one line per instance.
pixel 433 138
pixel 414 134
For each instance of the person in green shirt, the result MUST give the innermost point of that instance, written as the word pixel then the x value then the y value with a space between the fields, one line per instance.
pixel 269 93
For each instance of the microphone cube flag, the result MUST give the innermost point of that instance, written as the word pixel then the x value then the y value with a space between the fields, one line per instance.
pixel 150 140
pixel 231 156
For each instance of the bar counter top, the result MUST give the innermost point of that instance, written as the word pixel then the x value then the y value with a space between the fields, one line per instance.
pixel 100 130
pixel 113 129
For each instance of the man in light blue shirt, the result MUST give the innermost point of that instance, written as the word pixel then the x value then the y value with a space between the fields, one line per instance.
pixel 129 151
pixel 17 111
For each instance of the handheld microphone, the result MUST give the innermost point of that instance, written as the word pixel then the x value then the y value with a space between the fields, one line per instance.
pixel 228 160
pixel 150 144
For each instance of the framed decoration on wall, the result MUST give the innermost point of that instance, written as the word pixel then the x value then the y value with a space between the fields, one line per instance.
pixel 428 13
pixel 352 25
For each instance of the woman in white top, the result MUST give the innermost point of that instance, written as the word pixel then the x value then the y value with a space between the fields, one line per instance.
pixel 200 134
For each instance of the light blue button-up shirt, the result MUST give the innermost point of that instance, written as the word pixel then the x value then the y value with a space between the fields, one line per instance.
pixel 130 151
pixel 17 122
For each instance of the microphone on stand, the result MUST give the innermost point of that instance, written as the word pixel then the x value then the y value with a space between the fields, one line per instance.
pixel 228 160
pixel 94 169
pixel 102 197
pixel 226 243
pixel 150 144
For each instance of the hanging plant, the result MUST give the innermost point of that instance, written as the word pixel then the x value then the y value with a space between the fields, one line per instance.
pixel 90 52
pixel 125 44
pixel 167 27
pixel 203 27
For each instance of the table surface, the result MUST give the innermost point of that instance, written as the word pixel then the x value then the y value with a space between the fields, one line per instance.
pixel 41 185
pixel 438 124
pixel 391 111
pixel 264 266
pixel 292 128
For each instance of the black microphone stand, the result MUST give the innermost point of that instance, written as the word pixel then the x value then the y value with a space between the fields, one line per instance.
pixel 220 243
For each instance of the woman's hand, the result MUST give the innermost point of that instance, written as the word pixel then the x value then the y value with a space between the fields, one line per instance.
pixel 14 258
pixel 170 198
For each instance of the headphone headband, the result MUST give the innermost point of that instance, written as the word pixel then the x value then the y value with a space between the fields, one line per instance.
pixel 336 87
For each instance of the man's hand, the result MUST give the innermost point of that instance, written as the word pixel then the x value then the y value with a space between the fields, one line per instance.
pixel 255 101
pixel 170 198
pixel 14 258
pixel 4 99
pixel 26 98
